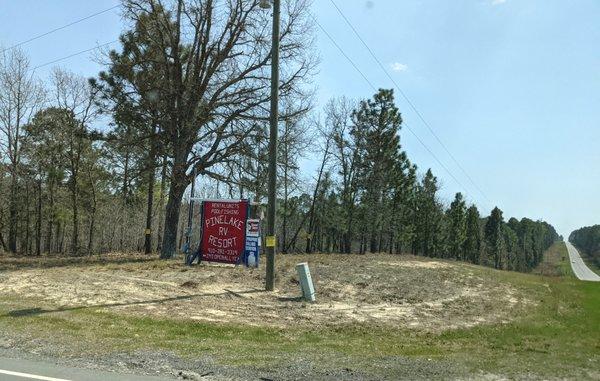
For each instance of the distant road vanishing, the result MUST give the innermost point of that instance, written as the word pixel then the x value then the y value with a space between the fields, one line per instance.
pixel 580 269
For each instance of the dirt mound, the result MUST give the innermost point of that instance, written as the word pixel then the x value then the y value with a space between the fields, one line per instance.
pixel 380 289
pixel 189 284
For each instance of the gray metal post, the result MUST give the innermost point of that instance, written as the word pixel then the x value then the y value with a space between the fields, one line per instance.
pixel 270 239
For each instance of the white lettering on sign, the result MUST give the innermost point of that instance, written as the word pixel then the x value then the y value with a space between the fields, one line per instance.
pixel 223 243
pixel 224 220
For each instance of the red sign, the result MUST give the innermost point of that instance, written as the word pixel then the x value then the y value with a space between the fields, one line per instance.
pixel 223 230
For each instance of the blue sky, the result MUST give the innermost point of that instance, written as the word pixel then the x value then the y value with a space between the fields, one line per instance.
pixel 512 88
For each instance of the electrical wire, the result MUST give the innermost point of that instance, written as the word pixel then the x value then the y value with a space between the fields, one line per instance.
pixel 60 28
pixel 375 90
pixel 410 103
pixel 74 54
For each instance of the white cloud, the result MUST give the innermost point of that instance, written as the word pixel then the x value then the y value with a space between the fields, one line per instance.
pixel 397 66
pixel 498 2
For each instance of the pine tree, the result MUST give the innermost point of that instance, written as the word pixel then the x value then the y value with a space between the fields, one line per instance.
pixel 376 135
pixel 429 235
pixel 472 244
pixel 457 227
pixel 512 248
pixel 401 221
pixel 494 238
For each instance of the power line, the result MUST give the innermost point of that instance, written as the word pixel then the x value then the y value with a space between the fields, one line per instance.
pixel 74 54
pixel 375 90
pixel 60 28
pixel 412 106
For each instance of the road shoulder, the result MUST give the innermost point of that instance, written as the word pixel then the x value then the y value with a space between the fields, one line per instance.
pixel 581 270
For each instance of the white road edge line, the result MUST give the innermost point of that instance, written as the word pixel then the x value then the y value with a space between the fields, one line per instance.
pixel 30 376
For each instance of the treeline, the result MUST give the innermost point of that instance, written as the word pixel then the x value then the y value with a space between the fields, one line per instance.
pixel 588 240
pixel 100 165
pixel 369 197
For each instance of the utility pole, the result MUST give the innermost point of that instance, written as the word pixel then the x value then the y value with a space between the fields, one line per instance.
pixel 271 241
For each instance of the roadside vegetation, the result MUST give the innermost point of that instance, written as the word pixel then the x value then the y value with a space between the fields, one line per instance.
pixel 587 240
pixel 549 333
pixel 556 262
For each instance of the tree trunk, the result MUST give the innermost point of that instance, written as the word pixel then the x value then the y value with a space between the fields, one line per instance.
pixel 2 243
pixel 148 232
pixel 311 220
pixel 122 228
pixel 112 236
pixel 38 224
pixel 90 245
pixel 61 244
pixel 75 217
pixel 348 232
pixel 373 242
pixel 49 226
pixel 176 190
pixel 285 208
pixel 26 244
pixel 125 185
pixel 161 205
pixel 57 238
pixel 13 208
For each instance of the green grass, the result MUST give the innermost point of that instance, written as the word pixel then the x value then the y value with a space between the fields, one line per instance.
pixel 556 262
pixel 589 262
pixel 558 338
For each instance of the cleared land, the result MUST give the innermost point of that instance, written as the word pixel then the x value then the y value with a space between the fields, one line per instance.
pixel 374 289
pixel 556 262
pixel 377 317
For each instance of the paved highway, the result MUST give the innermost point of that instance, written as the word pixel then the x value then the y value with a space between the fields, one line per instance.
pixel 23 370
pixel 579 267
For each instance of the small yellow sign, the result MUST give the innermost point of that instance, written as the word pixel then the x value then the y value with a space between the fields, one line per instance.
pixel 147 231
pixel 270 241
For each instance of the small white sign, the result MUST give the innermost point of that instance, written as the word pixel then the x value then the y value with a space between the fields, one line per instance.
pixel 252 227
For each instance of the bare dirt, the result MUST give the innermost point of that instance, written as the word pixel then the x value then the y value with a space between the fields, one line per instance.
pixel 403 291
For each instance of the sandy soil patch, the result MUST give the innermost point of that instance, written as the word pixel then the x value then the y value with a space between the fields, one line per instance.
pixel 380 289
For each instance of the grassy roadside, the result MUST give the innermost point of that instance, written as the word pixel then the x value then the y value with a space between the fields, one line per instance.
pixel 558 338
pixel 589 263
pixel 556 262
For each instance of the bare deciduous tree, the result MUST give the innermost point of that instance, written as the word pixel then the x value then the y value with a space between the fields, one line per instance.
pixel 74 95
pixel 21 96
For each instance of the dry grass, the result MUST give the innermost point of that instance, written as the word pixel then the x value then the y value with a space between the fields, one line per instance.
pixel 472 322
pixel 380 289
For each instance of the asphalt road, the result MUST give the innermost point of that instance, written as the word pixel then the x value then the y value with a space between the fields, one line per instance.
pixel 580 269
pixel 23 370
